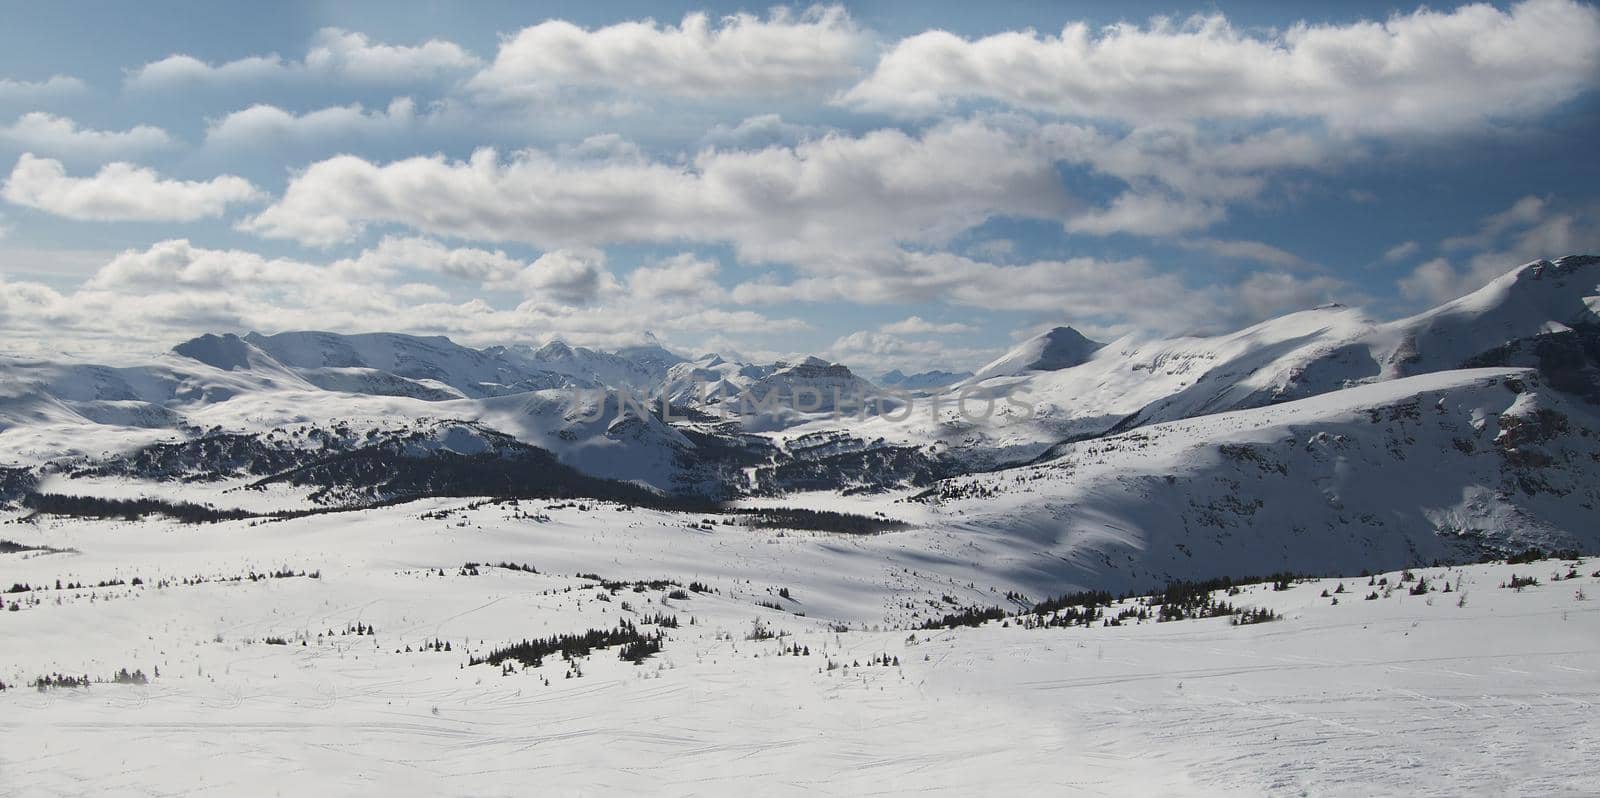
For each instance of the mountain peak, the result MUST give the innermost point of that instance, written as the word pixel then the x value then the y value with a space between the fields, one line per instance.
pixel 922 381
pixel 1063 347
pixel 1534 298
pixel 228 352
pixel 1052 350
pixel 557 348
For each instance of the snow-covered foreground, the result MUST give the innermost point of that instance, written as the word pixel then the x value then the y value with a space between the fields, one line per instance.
pixel 1482 689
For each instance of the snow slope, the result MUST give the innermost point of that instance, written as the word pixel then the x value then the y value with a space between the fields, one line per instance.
pixel 1480 690
pixel 1435 468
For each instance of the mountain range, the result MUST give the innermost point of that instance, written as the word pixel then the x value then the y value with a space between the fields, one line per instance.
pixel 1317 439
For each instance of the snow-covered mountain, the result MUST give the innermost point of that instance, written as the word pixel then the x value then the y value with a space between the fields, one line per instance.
pixel 637 368
pixel 921 381
pixel 1071 419
pixel 1541 315
pixel 711 378
pixel 1052 350
pixel 1438 467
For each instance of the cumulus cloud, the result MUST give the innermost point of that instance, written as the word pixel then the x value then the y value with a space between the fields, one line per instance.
pixel 568 277
pixel 682 276
pixel 178 262
pixel 1531 228
pixel 916 325
pixel 756 132
pixel 738 55
pixel 180 289
pixel 1147 214
pixel 334 55
pixel 355 57
pixel 1434 282
pixel 121 192
pixel 1423 70
pixel 36 91
pixel 817 202
pixel 1272 293
pixel 56 135
pixel 179 70
pixel 824 198
pixel 877 343
pixel 269 125
pixel 395 254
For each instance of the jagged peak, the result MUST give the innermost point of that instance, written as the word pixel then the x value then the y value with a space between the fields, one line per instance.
pixel 555 348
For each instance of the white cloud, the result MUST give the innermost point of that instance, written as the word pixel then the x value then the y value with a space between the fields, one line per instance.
pixel 1257 251
pixel 1110 297
pixel 355 57
pixel 604 147
pixel 830 198
pixel 569 277
pixel 756 132
pixel 179 71
pixel 35 91
pixel 1425 70
pixel 877 343
pixel 1433 282
pixel 916 325
pixel 268 125
pixel 1524 211
pixel 179 263
pixel 420 292
pixel 334 55
pixel 1147 214
pixel 397 253
pixel 682 276
pixel 739 55
pixel 121 192
pixel 875 352
pixel 1401 251
pixel 1128 292
pixel 1273 293
pixel 821 202
pixel 1184 161
pixel 1531 228
pixel 56 135
pixel 151 298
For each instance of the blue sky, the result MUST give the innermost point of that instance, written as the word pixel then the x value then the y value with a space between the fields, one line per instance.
pixel 887 184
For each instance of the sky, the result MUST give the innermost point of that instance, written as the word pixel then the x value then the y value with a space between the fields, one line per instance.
pixel 890 185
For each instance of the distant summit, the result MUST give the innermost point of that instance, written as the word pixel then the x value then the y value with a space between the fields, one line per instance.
pixel 1059 348
pixel 922 381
